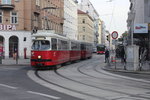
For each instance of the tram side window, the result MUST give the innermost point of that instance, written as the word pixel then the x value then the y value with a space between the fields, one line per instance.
pixel 54 44
pixel 74 46
pixel 88 48
pixel 83 47
pixel 59 45
pixel 64 45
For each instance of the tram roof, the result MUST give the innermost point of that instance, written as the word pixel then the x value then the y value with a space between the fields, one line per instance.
pixel 48 34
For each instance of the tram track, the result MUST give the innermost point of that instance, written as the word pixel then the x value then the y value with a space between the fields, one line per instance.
pixel 94 68
pixel 79 82
pixel 36 73
pixel 115 76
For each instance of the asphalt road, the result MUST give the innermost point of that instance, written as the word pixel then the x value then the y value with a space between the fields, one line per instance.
pixel 83 80
pixel 16 85
pixel 86 80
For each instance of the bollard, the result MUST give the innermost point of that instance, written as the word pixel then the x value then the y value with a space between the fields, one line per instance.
pixel 113 59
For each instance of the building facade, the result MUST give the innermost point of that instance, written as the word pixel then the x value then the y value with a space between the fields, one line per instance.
pixel 138 23
pixel 48 14
pixel 70 28
pixel 86 6
pixel 20 18
pixel 100 35
pixel 85 27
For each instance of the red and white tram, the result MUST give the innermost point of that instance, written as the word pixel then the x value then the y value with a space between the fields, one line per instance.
pixel 86 50
pixel 50 49
pixel 75 50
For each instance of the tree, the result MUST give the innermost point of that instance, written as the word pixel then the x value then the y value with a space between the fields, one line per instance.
pixel 124 35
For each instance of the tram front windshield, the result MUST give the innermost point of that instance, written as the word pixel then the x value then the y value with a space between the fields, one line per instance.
pixel 41 45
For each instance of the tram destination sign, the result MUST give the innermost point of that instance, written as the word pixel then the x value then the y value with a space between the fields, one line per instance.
pixel 7 27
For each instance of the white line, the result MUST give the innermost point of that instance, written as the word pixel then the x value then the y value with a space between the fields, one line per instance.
pixel 9 68
pixel 45 95
pixel 59 89
pixel 11 87
pixel 126 77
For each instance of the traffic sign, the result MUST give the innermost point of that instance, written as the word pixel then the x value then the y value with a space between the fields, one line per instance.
pixel 114 35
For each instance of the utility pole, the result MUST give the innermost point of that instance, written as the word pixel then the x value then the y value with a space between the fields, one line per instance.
pixel 148 42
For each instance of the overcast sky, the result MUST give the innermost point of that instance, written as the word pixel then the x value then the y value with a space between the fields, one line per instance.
pixel 114 13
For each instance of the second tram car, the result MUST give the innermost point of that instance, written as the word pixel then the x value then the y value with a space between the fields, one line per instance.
pixel 86 50
pixel 49 49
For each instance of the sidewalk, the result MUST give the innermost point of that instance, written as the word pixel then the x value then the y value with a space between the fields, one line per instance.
pixel 117 66
pixel 11 61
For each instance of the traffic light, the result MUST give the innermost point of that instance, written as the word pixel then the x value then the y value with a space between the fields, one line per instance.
pixel 108 37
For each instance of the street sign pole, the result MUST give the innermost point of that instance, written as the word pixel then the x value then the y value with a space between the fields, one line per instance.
pixel 114 35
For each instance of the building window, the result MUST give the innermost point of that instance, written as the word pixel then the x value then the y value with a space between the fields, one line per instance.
pixel 83 21
pixel 14 17
pixel 83 29
pixel 36 21
pixel 6 1
pixel 37 2
pixel 1 17
pixel 16 0
pixel 148 10
pixel 83 37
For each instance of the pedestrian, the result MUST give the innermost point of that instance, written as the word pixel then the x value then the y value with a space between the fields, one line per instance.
pixel 107 56
pixel 122 55
pixel 15 54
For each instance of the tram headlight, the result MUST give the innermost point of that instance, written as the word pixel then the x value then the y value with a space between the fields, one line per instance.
pixel 39 57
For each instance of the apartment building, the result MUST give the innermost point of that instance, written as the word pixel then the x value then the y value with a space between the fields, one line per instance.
pixel 86 6
pixel 85 27
pixel 138 23
pixel 70 28
pixel 99 32
pixel 19 18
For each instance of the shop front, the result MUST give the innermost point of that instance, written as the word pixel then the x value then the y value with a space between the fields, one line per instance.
pixel 1 47
pixel 13 43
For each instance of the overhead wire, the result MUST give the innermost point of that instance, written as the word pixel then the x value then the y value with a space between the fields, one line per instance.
pixel 114 5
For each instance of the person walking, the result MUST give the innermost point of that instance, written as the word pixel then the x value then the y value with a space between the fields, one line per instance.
pixel 106 56
pixel 122 55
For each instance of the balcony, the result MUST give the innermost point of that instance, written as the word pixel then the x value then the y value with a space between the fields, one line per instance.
pixel 7 6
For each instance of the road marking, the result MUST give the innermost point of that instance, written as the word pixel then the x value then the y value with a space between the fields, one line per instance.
pixel 125 77
pixel 11 87
pixel 9 68
pixel 32 75
pixel 45 95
